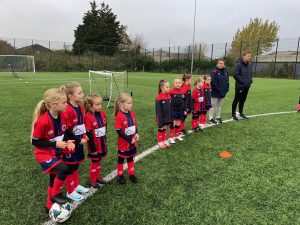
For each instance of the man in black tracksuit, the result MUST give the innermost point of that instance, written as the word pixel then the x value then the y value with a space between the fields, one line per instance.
pixel 243 81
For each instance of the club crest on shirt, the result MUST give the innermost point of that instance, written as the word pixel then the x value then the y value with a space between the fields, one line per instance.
pixel 94 124
pixel 64 127
pixel 50 132
pixel 125 122
pixel 75 120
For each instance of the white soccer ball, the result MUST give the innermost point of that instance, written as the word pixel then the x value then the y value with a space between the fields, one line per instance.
pixel 60 213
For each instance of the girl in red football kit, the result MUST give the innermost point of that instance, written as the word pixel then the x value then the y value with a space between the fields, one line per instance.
pixel 198 104
pixel 186 87
pixel 163 109
pixel 51 136
pixel 126 127
pixel 75 115
pixel 207 100
pixel 95 123
pixel 178 110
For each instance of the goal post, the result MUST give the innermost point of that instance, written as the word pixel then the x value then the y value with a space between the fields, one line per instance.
pixel 17 63
pixel 108 84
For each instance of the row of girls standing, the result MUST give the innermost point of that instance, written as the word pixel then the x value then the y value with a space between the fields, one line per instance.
pixel 61 125
pixel 173 106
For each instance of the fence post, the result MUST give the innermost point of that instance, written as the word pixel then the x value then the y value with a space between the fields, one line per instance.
pixel 211 56
pixel 178 58
pixel 225 55
pixel 153 60
pixel 32 47
pixel 144 60
pixel 256 59
pixel 295 71
pixel 189 49
pixel 160 60
pixel 15 46
pixel 104 62
pixel 65 57
pixel 116 59
pixel 49 56
pixel 274 66
pixel 93 56
pixel 169 54
pixel 199 59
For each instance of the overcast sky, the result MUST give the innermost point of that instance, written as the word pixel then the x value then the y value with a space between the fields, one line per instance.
pixel 159 21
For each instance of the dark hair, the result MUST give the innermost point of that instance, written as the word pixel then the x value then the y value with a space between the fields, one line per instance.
pixel 246 52
pixel 187 76
pixel 221 60
pixel 161 85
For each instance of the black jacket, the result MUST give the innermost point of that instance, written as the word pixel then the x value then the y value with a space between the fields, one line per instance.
pixel 219 83
pixel 242 74
pixel 163 108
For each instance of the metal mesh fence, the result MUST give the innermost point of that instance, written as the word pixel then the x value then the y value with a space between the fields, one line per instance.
pixel 280 60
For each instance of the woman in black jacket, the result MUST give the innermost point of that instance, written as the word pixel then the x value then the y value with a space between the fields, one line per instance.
pixel 220 87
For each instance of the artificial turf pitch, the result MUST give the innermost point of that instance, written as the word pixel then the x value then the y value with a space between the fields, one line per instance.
pixel 186 184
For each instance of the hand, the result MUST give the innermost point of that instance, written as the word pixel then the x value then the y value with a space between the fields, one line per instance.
pixel 71 145
pixel 83 140
pixel 133 141
pixel 137 137
pixel 185 113
pixel 61 144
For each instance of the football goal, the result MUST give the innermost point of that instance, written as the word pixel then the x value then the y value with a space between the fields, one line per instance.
pixel 108 84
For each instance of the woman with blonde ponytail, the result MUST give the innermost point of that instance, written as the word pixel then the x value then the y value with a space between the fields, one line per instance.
pixel 51 136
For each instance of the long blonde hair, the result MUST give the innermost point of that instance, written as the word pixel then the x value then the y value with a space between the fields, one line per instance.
pixel 70 88
pixel 119 100
pixel 89 101
pixel 52 95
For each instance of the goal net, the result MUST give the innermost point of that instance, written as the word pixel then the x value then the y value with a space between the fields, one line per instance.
pixel 108 84
pixel 17 63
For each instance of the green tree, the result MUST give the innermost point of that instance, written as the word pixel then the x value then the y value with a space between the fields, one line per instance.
pixel 257 37
pixel 99 28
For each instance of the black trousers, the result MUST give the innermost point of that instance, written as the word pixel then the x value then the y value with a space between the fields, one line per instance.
pixel 239 98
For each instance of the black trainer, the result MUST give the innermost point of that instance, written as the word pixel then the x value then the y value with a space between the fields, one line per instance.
pixel 121 179
pixel 198 129
pixel 102 182
pixel 97 186
pixel 243 116
pixel 219 121
pixel 60 199
pixel 235 118
pixel 212 121
pixel 184 132
pixel 133 179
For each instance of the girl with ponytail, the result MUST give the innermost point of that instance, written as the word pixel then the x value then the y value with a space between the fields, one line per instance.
pixel 51 136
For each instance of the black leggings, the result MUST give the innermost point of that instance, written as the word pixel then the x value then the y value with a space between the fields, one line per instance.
pixel 73 167
pixel 239 98
pixel 121 160
pixel 61 172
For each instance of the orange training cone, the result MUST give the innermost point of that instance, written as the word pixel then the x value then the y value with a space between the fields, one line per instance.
pixel 225 154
